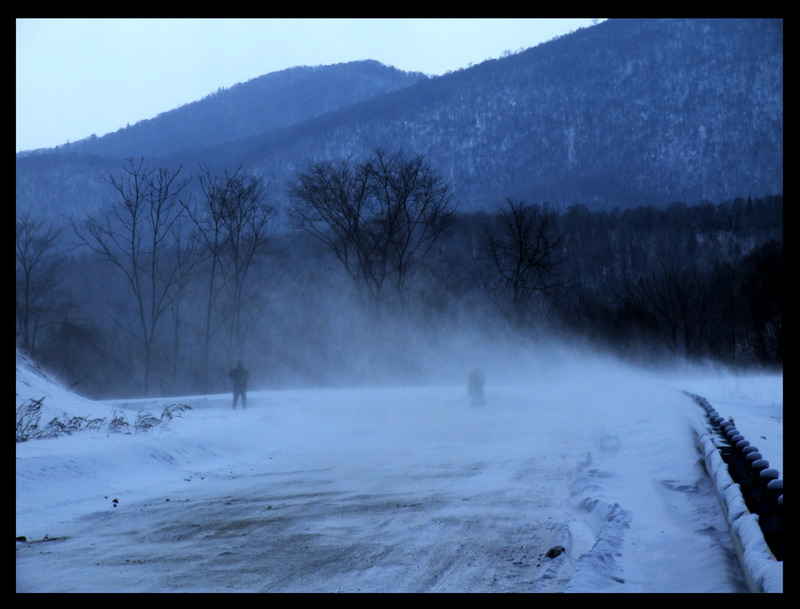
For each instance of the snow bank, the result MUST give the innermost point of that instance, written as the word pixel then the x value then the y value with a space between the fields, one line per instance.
pixel 763 572
pixel 34 384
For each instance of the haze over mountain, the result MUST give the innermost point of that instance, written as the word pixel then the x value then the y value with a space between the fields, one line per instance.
pixel 629 112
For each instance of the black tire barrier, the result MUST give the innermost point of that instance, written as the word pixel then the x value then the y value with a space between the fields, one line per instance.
pixel 770 514
pixel 761 486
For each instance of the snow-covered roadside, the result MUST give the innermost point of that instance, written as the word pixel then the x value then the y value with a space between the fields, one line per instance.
pixel 762 571
pixel 755 403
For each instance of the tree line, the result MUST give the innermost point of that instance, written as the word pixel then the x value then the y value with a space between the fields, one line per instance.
pixel 169 284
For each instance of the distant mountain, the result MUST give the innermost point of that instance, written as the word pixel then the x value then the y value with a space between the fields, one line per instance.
pixel 272 101
pixel 628 112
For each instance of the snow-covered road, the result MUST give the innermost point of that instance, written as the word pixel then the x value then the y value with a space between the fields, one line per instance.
pixel 384 490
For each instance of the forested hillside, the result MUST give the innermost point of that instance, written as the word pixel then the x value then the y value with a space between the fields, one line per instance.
pixel 272 101
pixel 626 113
pixel 619 187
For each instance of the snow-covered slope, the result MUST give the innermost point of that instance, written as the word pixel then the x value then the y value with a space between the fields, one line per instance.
pixel 35 384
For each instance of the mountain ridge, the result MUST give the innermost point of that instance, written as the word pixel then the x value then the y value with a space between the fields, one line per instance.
pixel 273 100
pixel 628 112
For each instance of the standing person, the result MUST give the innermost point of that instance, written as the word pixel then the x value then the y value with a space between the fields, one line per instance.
pixel 475 387
pixel 240 374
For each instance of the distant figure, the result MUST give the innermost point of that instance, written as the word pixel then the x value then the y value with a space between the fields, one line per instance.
pixel 240 375
pixel 475 386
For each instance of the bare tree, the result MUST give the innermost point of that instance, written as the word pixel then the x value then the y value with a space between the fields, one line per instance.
pixel 380 218
pixel 184 253
pixel 208 220
pixel 520 258
pixel 38 298
pixel 248 232
pixel 136 235
pixel 234 227
pixel 674 302
pixel 328 202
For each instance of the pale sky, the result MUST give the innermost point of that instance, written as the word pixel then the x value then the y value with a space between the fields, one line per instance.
pixel 77 77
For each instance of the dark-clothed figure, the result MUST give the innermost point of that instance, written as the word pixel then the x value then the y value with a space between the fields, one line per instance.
pixel 240 374
pixel 475 387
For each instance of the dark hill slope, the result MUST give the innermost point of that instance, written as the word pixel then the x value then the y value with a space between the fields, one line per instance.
pixel 626 113
pixel 272 101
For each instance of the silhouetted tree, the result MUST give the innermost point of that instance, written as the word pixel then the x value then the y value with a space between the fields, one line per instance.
pixel 674 302
pixel 520 258
pixel 380 218
pixel 135 234
pixel 762 289
pixel 234 222
pixel 38 298
pixel 185 255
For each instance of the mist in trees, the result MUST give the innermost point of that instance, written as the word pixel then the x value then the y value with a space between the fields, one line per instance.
pixel 378 276
pixel 139 234
pixel 151 252
pixel 519 260
pixel 233 223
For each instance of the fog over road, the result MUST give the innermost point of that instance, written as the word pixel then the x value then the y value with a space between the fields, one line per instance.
pixel 383 490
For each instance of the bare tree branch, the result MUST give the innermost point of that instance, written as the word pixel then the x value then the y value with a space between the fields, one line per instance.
pixel 380 218
pixel 136 235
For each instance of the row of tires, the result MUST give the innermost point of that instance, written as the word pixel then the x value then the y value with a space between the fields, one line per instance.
pixel 761 486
